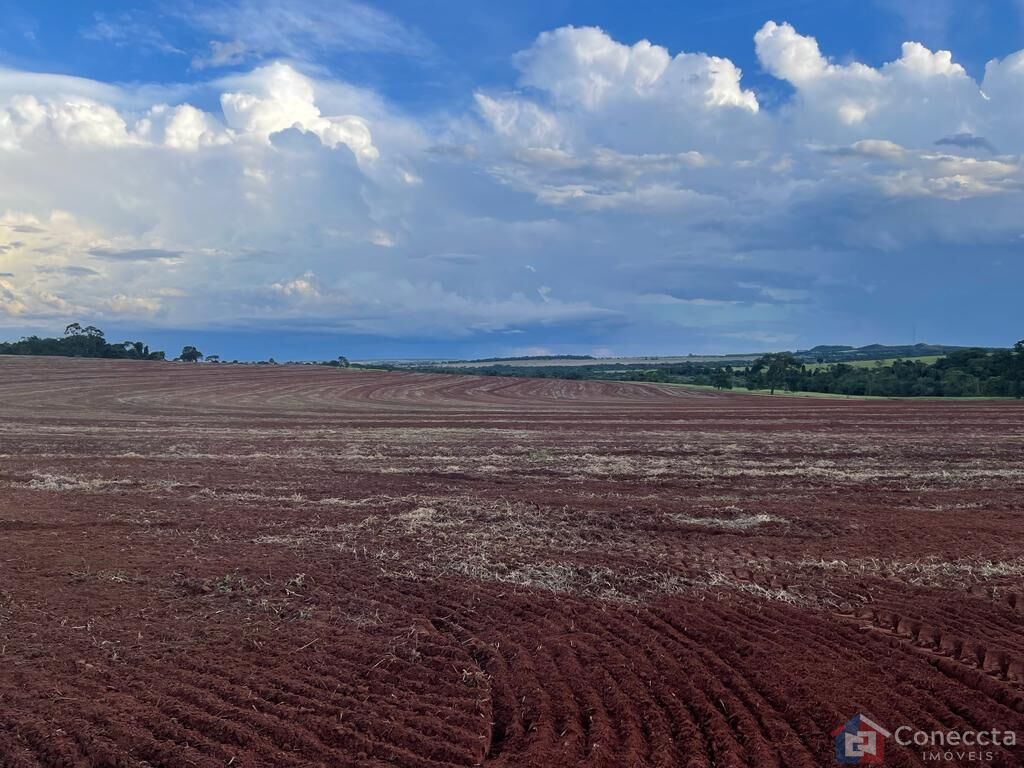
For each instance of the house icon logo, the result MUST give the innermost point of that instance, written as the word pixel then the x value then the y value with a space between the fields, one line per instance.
pixel 859 741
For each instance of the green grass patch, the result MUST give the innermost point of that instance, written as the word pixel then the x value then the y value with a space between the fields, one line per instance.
pixel 926 359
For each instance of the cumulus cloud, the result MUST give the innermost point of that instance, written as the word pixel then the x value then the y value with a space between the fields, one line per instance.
pixel 793 57
pixel 583 66
pixel 601 125
pixel 268 100
pixel 921 92
pixel 183 127
pixel 77 121
pixel 280 98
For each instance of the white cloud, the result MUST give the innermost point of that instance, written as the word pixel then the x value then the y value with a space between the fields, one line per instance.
pixel 134 306
pixel 11 304
pixel 794 57
pixel 267 101
pixel 521 122
pixel 878 148
pixel 188 128
pixel 280 98
pixel 304 287
pixel 583 66
pixel 72 120
pixel 650 198
pixel 382 238
pixel 918 61
pixel 581 92
pixel 922 94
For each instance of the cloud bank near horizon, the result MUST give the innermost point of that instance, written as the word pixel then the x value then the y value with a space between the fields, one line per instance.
pixel 613 190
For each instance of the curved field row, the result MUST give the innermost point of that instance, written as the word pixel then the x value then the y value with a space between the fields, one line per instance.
pixel 212 389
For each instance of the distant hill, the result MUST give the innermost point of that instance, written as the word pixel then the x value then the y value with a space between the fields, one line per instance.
pixel 830 353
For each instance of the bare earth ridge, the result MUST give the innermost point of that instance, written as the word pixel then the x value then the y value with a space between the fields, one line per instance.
pixel 279 566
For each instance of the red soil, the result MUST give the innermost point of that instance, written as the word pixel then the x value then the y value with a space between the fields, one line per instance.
pixel 279 566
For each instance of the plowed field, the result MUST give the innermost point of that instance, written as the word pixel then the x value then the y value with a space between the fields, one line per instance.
pixel 282 566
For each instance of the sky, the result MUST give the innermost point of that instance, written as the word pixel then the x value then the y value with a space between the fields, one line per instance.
pixel 300 179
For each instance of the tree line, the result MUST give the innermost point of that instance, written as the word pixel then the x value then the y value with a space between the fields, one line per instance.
pixel 90 341
pixel 973 372
pixel 79 341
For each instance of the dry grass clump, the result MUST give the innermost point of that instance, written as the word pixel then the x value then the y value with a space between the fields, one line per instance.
pixel 926 571
pixel 421 518
pixel 248 496
pixel 472 525
pixel 735 523
pixel 523 546
pixel 505 542
pixel 564 578
pixel 776 594
pixel 44 481
pixel 598 582
pixel 119 577
pixel 606 583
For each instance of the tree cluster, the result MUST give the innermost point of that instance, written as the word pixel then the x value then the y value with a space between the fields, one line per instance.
pixel 79 341
pixel 964 373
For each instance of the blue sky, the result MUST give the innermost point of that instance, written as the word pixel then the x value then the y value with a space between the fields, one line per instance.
pixel 412 179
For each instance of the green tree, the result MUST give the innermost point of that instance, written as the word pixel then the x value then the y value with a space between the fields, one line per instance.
pixel 778 369
pixel 1017 370
pixel 86 342
pixel 135 350
pixel 190 354
pixel 959 383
